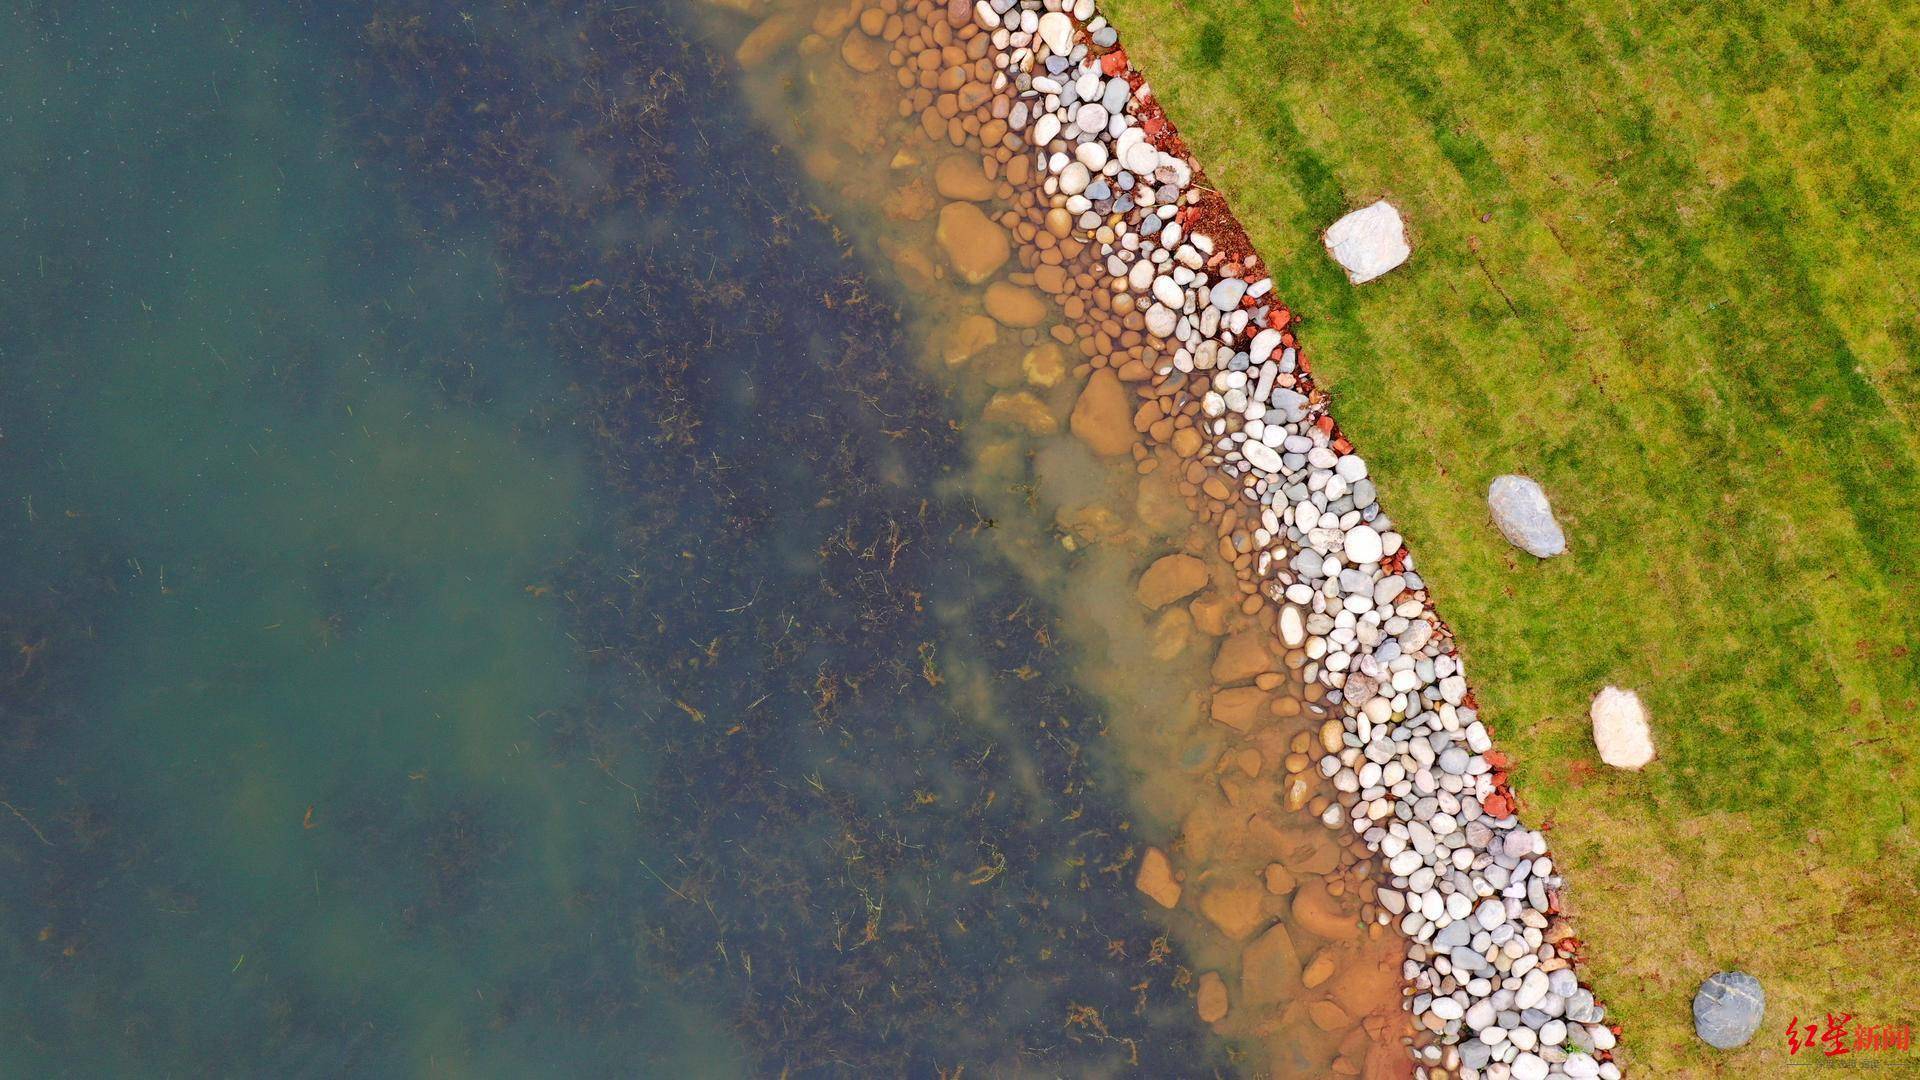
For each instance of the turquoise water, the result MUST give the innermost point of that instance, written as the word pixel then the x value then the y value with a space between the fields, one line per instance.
pixel 282 487
pixel 474 604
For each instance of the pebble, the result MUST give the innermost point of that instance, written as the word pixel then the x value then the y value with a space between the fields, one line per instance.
pixel 1227 292
pixel 1261 456
pixel 1056 30
pixel 1363 545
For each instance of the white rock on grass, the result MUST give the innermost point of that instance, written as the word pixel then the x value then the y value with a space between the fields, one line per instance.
pixel 1620 729
pixel 1368 242
pixel 1523 515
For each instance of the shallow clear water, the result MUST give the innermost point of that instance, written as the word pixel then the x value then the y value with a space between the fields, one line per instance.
pixel 489 594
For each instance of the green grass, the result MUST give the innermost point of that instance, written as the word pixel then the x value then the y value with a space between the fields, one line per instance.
pixel 1666 261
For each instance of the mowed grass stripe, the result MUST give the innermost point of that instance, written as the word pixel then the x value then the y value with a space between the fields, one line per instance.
pixel 1705 350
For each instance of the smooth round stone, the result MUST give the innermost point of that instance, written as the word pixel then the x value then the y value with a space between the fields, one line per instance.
pixel 1363 545
pixel 1533 987
pixel 1057 31
pixel 1529 1067
pixel 1261 456
pixel 1581 1067
pixel 1092 117
pixel 1728 1008
pixel 1491 913
pixel 1263 345
pixel 1046 129
pixel 1227 293
pixel 1563 982
pixel 1169 293
pixel 1091 154
pixel 1073 179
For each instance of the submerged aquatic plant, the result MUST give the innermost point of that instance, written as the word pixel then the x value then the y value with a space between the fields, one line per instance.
pixel 874 878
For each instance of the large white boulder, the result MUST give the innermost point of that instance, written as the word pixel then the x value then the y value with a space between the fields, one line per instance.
pixel 1524 516
pixel 1620 729
pixel 1368 242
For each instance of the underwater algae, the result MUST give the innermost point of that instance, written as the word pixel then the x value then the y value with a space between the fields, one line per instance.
pixel 884 838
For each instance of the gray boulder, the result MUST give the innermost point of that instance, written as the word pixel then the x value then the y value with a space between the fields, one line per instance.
pixel 1524 516
pixel 1727 1009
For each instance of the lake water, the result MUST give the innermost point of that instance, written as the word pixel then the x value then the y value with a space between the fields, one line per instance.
pixel 495 588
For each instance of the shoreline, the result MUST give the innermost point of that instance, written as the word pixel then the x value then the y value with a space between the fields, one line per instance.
pixel 1190 366
pixel 1463 969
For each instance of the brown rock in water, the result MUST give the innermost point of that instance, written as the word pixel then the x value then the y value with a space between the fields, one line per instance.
pixel 1093 522
pixel 1170 578
pixel 1187 442
pixel 908 202
pixel 1311 854
pixel 862 53
pixel 1319 913
pixel 1319 970
pixel 1240 707
pixel 959 177
pixel 766 39
pixel 959 13
pixel 1297 791
pixel 1242 656
pixel 1102 417
pixel 1210 998
pixel 1044 364
pixel 976 246
pixel 1327 1016
pixel 1280 881
pixel 1269 968
pixel 1170 634
pixel 1210 614
pixel 1234 908
pixel 965 339
pixel 1013 305
pixel 1156 878
pixel 1020 409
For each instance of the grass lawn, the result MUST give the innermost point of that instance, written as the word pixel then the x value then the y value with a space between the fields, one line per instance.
pixel 1666 261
